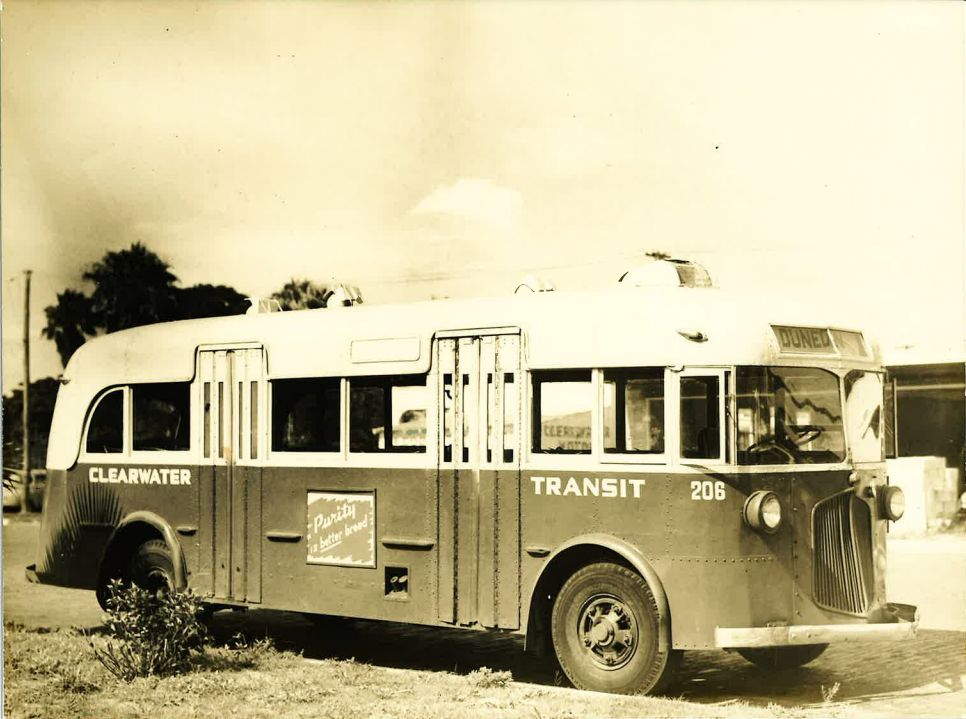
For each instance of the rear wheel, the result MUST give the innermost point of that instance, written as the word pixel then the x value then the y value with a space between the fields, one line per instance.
pixel 779 658
pixel 605 629
pixel 152 567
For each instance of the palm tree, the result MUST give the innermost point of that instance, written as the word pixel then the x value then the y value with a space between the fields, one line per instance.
pixel 133 287
pixel 70 322
pixel 301 294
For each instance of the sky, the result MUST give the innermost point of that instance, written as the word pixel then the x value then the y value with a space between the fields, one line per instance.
pixel 426 149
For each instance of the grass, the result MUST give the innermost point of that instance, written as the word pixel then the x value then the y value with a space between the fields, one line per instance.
pixel 54 674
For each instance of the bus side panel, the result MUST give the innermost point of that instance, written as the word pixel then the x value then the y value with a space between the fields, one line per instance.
pixel 304 569
pixel 85 507
pixel 499 549
pixel 716 571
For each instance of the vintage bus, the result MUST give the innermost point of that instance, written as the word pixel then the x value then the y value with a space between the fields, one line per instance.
pixel 619 475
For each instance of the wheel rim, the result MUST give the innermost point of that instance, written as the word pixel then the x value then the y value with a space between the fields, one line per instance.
pixel 608 631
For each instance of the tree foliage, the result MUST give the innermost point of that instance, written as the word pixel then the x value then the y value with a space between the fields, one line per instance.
pixel 132 287
pixel 43 393
pixel 302 294
pixel 208 301
pixel 70 322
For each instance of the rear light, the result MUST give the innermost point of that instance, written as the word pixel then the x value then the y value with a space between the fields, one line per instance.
pixel 892 503
pixel 763 512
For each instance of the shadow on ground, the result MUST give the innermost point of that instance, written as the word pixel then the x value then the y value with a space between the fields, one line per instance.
pixel 934 663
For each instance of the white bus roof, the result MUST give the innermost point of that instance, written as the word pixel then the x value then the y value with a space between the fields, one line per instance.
pixel 622 327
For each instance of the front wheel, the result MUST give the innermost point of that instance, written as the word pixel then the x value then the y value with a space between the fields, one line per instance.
pixel 780 658
pixel 605 629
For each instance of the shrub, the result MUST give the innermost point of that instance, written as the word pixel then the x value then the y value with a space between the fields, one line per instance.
pixel 155 632
pixel 486 678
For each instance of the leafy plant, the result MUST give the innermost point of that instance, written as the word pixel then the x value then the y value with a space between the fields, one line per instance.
pixel 486 678
pixel 152 633
pixel 829 694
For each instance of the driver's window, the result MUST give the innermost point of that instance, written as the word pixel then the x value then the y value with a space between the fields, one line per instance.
pixel 701 417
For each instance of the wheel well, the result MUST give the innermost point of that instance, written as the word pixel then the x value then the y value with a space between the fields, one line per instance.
pixel 119 552
pixel 554 575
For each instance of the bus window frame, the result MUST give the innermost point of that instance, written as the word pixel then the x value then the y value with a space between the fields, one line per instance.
pixel 386 460
pixel 318 457
pixel 108 457
pixel 639 458
pixel 569 461
pixel 726 436
pixel 172 456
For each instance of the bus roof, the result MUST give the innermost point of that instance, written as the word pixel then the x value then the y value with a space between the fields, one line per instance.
pixel 621 327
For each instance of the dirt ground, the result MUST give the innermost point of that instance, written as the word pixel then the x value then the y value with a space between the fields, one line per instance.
pixel 922 677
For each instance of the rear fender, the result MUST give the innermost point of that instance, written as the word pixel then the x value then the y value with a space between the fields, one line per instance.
pixel 133 525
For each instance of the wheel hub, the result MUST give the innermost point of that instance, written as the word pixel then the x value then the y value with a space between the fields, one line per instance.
pixel 608 631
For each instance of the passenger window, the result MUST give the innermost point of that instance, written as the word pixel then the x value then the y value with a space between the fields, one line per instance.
pixel 161 417
pixel 105 433
pixel 305 415
pixel 562 410
pixel 634 411
pixel 387 414
pixel 700 435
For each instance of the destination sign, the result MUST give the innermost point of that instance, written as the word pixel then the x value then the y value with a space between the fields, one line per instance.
pixel 820 341
pixel 804 340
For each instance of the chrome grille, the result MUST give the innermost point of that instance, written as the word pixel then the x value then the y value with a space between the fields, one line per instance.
pixel 842 564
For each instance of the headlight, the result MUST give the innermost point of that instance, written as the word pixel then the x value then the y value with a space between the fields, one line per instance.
pixel 892 503
pixel 763 512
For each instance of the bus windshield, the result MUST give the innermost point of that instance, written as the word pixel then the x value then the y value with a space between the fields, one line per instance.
pixel 789 415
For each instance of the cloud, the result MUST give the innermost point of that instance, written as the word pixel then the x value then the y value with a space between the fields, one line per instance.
pixel 475 199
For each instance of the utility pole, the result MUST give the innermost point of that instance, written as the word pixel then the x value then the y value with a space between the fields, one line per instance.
pixel 26 383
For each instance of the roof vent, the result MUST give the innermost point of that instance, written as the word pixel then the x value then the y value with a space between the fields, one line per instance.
pixel 262 306
pixel 343 295
pixel 668 272
pixel 532 283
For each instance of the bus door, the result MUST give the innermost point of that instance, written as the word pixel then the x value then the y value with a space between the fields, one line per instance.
pixel 232 391
pixel 479 479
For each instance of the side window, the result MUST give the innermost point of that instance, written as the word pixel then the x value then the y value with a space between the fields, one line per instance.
pixel 700 420
pixel 161 417
pixel 305 415
pixel 387 414
pixel 562 411
pixel 634 411
pixel 105 433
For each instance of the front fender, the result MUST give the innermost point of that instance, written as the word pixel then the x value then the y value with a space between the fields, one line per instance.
pixel 630 554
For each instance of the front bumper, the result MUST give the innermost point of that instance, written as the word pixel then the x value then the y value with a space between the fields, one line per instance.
pixel 902 623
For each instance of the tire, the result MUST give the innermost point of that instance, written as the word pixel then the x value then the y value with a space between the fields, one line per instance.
pixel 152 567
pixel 605 627
pixel 777 659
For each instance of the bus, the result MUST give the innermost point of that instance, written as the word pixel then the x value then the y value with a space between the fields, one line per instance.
pixel 620 475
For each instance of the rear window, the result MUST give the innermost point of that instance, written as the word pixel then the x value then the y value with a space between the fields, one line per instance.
pixel 105 433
